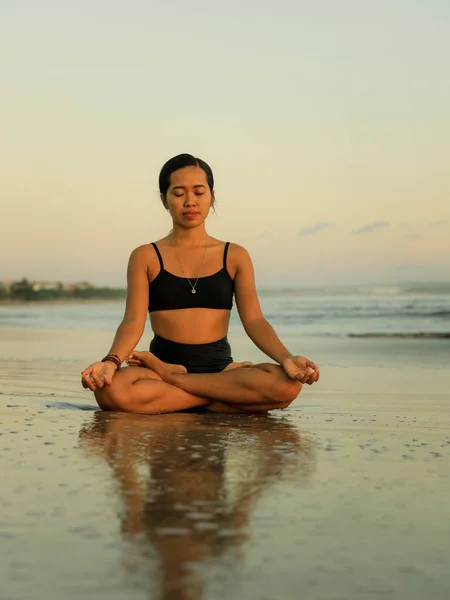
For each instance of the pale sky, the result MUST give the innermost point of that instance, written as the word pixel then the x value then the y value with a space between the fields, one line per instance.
pixel 326 123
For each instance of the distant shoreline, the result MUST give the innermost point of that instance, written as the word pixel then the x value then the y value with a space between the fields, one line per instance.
pixel 62 301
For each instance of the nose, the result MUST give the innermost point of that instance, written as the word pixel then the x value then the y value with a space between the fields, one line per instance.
pixel 190 199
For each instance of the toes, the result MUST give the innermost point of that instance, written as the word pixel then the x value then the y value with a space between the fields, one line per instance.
pixel 238 365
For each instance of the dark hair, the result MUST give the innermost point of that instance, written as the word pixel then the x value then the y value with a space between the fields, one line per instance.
pixel 180 162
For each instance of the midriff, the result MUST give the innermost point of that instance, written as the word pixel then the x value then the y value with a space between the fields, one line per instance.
pixel 191 325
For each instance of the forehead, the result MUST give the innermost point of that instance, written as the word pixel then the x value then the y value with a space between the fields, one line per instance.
pixel 189 176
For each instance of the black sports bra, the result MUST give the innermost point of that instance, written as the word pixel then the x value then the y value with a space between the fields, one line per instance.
pixel 170 292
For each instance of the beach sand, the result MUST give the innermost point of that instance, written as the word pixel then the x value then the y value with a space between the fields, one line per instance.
pixel 342 496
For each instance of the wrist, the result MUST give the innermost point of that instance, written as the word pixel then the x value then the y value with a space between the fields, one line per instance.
pixel 114 359
pixel 285 357
pixel 109 362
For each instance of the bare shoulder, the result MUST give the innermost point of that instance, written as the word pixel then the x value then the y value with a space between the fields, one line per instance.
pixel 238 255
pixel 140 251
pixel 145 256
pixel 238 250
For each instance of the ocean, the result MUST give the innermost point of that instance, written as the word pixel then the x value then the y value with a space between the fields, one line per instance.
pixel 407 310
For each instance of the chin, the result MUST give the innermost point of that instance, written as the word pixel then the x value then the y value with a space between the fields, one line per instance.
pixel 191 224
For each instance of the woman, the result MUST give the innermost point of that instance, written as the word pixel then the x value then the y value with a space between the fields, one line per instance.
pixel 187 281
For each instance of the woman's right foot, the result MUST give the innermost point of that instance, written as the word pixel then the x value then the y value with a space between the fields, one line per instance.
pixel 149 361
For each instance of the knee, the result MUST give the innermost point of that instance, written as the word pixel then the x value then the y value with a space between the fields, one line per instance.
pixel 286 391
pixel 111 397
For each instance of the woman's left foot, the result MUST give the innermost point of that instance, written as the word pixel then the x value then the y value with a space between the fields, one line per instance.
pixel 238 365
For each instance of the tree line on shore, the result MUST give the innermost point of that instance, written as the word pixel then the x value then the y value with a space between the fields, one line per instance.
pixel 26 290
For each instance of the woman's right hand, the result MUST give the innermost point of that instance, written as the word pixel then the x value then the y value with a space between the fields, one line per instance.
pixel 97 375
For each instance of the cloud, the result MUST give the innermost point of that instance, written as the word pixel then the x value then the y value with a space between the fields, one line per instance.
pixel 266 234
pixel 314 228
pixel 439 223
pixel 371 227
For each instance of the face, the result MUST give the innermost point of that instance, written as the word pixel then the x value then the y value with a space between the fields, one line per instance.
pixel 188 198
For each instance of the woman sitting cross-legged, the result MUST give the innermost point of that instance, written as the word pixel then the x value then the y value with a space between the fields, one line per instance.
pixel 186 281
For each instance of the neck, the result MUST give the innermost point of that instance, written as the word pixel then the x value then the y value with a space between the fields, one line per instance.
pixel 189 237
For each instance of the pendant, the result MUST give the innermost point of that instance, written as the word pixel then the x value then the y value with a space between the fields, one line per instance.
pixel 193 291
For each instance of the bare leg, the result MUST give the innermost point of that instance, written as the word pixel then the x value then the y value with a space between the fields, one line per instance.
pixel 243 388
pixel 222 407
pixel 140 390
pixel 258 388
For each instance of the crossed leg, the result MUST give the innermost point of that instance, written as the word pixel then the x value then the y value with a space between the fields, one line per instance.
pixel 159 387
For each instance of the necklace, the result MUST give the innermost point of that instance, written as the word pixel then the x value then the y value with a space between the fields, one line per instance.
pixel 193 290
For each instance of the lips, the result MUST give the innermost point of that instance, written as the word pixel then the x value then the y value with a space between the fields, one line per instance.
pixel 190 214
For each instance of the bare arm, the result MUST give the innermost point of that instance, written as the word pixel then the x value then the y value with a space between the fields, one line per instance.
pixel 258 329
pixel 132 326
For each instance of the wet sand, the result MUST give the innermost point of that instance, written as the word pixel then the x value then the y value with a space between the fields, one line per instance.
pixel 342 496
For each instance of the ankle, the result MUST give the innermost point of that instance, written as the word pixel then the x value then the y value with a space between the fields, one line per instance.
pixel 173 377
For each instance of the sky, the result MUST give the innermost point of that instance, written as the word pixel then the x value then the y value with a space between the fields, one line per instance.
pixel 326 124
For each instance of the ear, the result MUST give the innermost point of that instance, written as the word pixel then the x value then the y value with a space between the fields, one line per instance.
pixel 163 200
pixel 213 198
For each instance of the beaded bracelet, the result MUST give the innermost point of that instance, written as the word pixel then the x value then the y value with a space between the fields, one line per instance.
pixel 112 358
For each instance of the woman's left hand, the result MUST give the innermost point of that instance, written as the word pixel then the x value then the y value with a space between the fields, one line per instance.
pixel 302 369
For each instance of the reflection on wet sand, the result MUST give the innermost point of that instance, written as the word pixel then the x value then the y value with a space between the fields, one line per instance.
pixel 188 485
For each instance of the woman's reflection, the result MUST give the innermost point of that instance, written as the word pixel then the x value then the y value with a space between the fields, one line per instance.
pixel 189 483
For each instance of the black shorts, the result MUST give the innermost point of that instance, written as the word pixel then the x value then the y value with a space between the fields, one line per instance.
pixel 197 358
